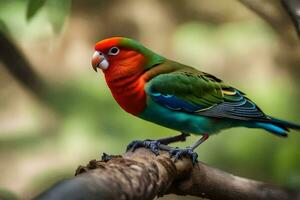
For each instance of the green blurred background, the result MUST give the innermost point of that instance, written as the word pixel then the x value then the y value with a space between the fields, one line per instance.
pixel 45 136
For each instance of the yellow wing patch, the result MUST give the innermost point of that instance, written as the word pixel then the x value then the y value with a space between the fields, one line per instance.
pixel 203 109
pixel 228 92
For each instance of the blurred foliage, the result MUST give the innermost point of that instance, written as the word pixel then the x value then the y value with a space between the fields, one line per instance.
pixel 6 195
pixel 57 12
pixel 52 12
pixel 3 27
pixel 43 142
pixel 33 7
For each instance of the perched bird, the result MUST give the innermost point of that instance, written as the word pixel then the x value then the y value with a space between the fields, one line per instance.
pixel 176 96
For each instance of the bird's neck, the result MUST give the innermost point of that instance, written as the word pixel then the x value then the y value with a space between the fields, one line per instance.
pixel 125 80
pixel 129 93
pixel 128 89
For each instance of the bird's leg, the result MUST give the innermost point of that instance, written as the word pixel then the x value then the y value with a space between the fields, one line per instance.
pixel 200 141
pixel 178 138
pixel 188 151
pixel 156 145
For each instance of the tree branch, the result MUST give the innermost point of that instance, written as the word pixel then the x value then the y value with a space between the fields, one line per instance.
pixel 275 15
pixel 293 9
pixel 19 67
pixel 278 14
pixel 142 175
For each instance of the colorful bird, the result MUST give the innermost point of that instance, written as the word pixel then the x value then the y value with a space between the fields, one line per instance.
pixel 176 96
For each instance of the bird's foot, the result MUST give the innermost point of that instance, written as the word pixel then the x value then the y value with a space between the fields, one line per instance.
pixel 184 152
pixel 153 145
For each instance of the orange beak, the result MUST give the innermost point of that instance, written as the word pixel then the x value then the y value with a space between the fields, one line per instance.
pixel 96 60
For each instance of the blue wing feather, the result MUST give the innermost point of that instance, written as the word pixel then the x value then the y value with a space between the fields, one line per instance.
pixel 242 108
pixel 175 103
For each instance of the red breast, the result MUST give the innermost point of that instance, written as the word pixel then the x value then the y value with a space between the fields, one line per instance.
pixel 125 79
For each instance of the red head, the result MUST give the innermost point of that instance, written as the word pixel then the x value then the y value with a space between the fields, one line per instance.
pixel 119 56
pixel 124 62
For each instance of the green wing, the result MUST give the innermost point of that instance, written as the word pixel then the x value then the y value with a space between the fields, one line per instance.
pixel 189 90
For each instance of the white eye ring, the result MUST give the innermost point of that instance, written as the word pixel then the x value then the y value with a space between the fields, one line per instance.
pixel 114 51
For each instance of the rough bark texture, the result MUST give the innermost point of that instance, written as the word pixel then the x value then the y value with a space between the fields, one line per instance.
pixel 142 175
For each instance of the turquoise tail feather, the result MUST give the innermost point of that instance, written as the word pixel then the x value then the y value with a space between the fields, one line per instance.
pixel 277 126
pixel 272 128
pixel 284 124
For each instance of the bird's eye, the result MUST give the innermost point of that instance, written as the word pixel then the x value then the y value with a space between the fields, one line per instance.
pixel 113 51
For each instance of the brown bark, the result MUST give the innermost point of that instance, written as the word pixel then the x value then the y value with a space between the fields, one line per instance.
pixel 142 175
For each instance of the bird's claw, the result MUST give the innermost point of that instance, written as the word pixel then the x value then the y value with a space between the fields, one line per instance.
pixel 188 152
pixel 105 157
pixel 153 145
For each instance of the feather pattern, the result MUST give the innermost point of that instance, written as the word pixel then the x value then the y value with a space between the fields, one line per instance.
pixel 200 93
pixel 177 96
